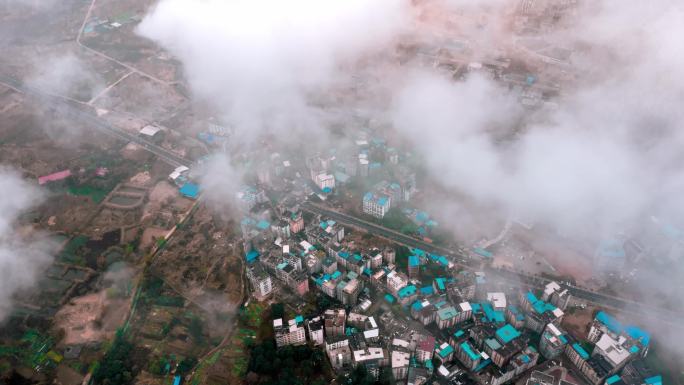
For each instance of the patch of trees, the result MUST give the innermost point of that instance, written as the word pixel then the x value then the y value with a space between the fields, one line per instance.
pixel 116 367
pixel 290 365
pixel 396 220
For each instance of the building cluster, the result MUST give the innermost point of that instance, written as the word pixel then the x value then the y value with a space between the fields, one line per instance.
pixel 613 353
pixel 385 195
pixel 489 334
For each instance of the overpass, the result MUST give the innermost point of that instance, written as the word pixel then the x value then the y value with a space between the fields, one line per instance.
pixel 461 258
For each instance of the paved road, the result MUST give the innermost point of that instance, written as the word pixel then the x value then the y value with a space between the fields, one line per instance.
pixel 461 258
pixel 87 115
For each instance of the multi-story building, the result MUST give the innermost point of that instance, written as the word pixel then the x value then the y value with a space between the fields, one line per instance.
pixel 506 344
pixel 348 289
pixel 446 317
pixel 413 266
pixel 514 316
pixel 604 323
pixel 636 372
pixel 376 205
pixel 444 352
pixel 400 364
pixel 577 355
pixel 260 280
pixel 389 255
pixel 497 300
pixel 553 342
pixel 334 320
pixel 556 296
pixel 338 351
pixel 597 369
pixel 468 355
pixel 424 347
pixel 407 294
pixel 395 282
pixel 324 181
pixel 370 357
pixel 315 329
pixel 612 351
pixel 539 313
pixel 462 288
pixel 290 334
pixel 296 221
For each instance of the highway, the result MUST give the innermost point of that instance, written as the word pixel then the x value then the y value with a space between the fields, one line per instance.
pixel 87 115
pixel 461 258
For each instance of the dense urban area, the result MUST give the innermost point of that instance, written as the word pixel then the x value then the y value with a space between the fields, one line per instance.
pixel 150 237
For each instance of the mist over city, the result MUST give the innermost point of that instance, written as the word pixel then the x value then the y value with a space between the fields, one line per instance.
pixel 316 192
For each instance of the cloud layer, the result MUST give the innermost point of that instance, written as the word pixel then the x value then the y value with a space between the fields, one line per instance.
pixel 22 254
pixel 258 61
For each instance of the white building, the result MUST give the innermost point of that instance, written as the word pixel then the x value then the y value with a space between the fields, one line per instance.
pixel 376 205
pixel 396 281
pixel 260 280
pixel 324 181
pixel 400 364
pixel 290 334
pixel 612 350
pixel 315 328
pixel 498 301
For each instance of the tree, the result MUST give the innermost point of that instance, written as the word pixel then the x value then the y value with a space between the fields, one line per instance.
pixel 195 329
pixel 277 310
pixel 386 377
pixel 116 365
pixel 186 365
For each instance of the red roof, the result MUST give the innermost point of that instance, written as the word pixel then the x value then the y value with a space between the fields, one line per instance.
pixel 54 177
pixel 427 344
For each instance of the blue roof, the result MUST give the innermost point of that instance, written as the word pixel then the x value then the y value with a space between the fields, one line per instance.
pixel 299 319
pixel 382 201
pixel 413 260
pixel 482 365
pixel 611 323
pixel 263 224
pixel 483 252
pixel 446 351
pixel 427 290
pixel 477 308
pixel 389 298
pixel 580 350
pixel 422 216
pixel 418 252
pixel 368 196
pixel 638 334
pixel 655 380
pixel 407 291
pixel 343 254
pixel 469 351
pixel 507 333
pixel 442 259
pixel 336 274
pixel 459 333
pixel 190 190
pixel 327 190
pixel 417 306
pixel 613 379
pixel 493 315
pixel 177 379
pixel 440 284
pixel 251 255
